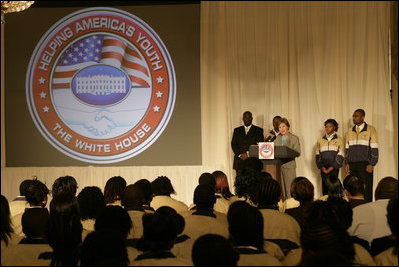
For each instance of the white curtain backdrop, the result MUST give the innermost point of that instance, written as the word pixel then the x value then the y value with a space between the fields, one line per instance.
pixel 306 61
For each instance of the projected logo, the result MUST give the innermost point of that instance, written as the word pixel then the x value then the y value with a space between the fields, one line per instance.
pixel 101 86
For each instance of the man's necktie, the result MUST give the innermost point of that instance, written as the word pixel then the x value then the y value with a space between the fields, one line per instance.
pixel 357 129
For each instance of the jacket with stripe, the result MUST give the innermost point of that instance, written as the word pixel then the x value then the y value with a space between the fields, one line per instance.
pixel 330 153
pixel 362 147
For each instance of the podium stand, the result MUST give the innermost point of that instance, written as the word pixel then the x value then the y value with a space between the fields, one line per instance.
pixel 282 154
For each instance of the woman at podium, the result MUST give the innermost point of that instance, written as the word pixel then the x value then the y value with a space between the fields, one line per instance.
pixel 288 168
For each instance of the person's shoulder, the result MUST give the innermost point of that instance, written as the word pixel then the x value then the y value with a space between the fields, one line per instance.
pixel 238 128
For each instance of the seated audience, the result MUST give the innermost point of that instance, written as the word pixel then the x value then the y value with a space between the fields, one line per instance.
pixel 145 186
pixel 246 184
pixel 133 200
pixel 303 192
pixel 289 203
pixel 278 226
pixel 213 250
pixel 334 188
pixel 104 248
pixel 162 189
pixel 19 203
pixel 389 257
pixel 91 202
pixel 8 237
pixel 161 229
pixel 246 234
pixel 369 220
pixel 113 190
pixel 64 230
pixel 354 190
pixel 114 218
pixel 36 196
pixel 33 248
pixel 326 258
pixel 64 188
pixel 223 195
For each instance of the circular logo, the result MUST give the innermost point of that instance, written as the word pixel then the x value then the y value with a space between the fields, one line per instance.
pixel 266 150
pixel 101 85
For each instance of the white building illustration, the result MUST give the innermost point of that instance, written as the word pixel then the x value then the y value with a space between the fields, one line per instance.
pixel 100 85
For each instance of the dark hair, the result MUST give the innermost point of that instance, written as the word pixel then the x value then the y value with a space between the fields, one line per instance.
pixel 91 201
pixel 344 208
pixel 268 193
pixel 246 182
pixel 361 111
pixel 204 197
pixel 333 122
pixel 34 222
pixel 65 186
pixel 23 185
pixel 222 185
pixel 64 233
pixel 133 196
pixel 145 186
pixel 162 186
pixel 208 179
pixel 325 258
pixel 160 229
pixel 114 218
pixel 285 121
pixel 387 188
pixel 6 227
pixel 392 217
pixel 114 188
pixel 302 189
pixel 213 250
pixel 247 112
pixel 277 117
pixel 104 248
pixel 36 193
pixel 245 225
pixel 320 212
pixel 334 186
pixel 354 185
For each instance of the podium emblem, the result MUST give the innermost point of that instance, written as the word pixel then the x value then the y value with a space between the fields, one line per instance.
pixel 101 85
pixel 266 150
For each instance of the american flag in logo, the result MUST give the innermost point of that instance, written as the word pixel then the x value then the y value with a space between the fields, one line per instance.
pixel 100 49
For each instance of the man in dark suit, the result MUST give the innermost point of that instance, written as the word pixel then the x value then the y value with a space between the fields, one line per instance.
pixel 243 137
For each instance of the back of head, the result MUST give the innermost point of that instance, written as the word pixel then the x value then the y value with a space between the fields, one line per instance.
pixel 162 186
pixel 302 190
pixel 213 250
pixel 208 179
pixel 354 185
pixel 334 186
pixel 65 186
pixel 36 193
pixel 204 197
pixel 245 225
pixel 387 188
pixel 246 183
pixel 268 193
pixel 132 196
pixel 113 189
pixel 6 228
pixel 160 229
pixel 222 185
pixel 344 208
pixel 34 222
pixel 104 248
pixel 23 185
pixel 392 217
pixel 91 201
pixel 325 258
pixel 114 218
pixel 145 186
pixel 327 212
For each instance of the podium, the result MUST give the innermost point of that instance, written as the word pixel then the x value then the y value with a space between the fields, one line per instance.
pixel 282 154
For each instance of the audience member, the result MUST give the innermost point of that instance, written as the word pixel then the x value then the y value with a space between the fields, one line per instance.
pixel 369 220
pixel 114 218
pixel 91 202
pixel 104 248
pixel 354 189
pixel 31 250
pixel 19 203
pixel 246 184
pixel 223 195
pixel 63 190
pixel 113 190
pixel 278 226
pixel 145 186
pixel 160 231
pixel 334 188
pixel 289 203
pixel 8 237
pixel 246 234
pixel 326 258
pixel 162 189
pixel 213 250
pixel 389 257
pixel 133 200
pixel 64 230
pixel 303 192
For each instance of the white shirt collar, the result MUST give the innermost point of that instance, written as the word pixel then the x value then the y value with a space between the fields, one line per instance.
pixel 329 137
pixel 361 126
